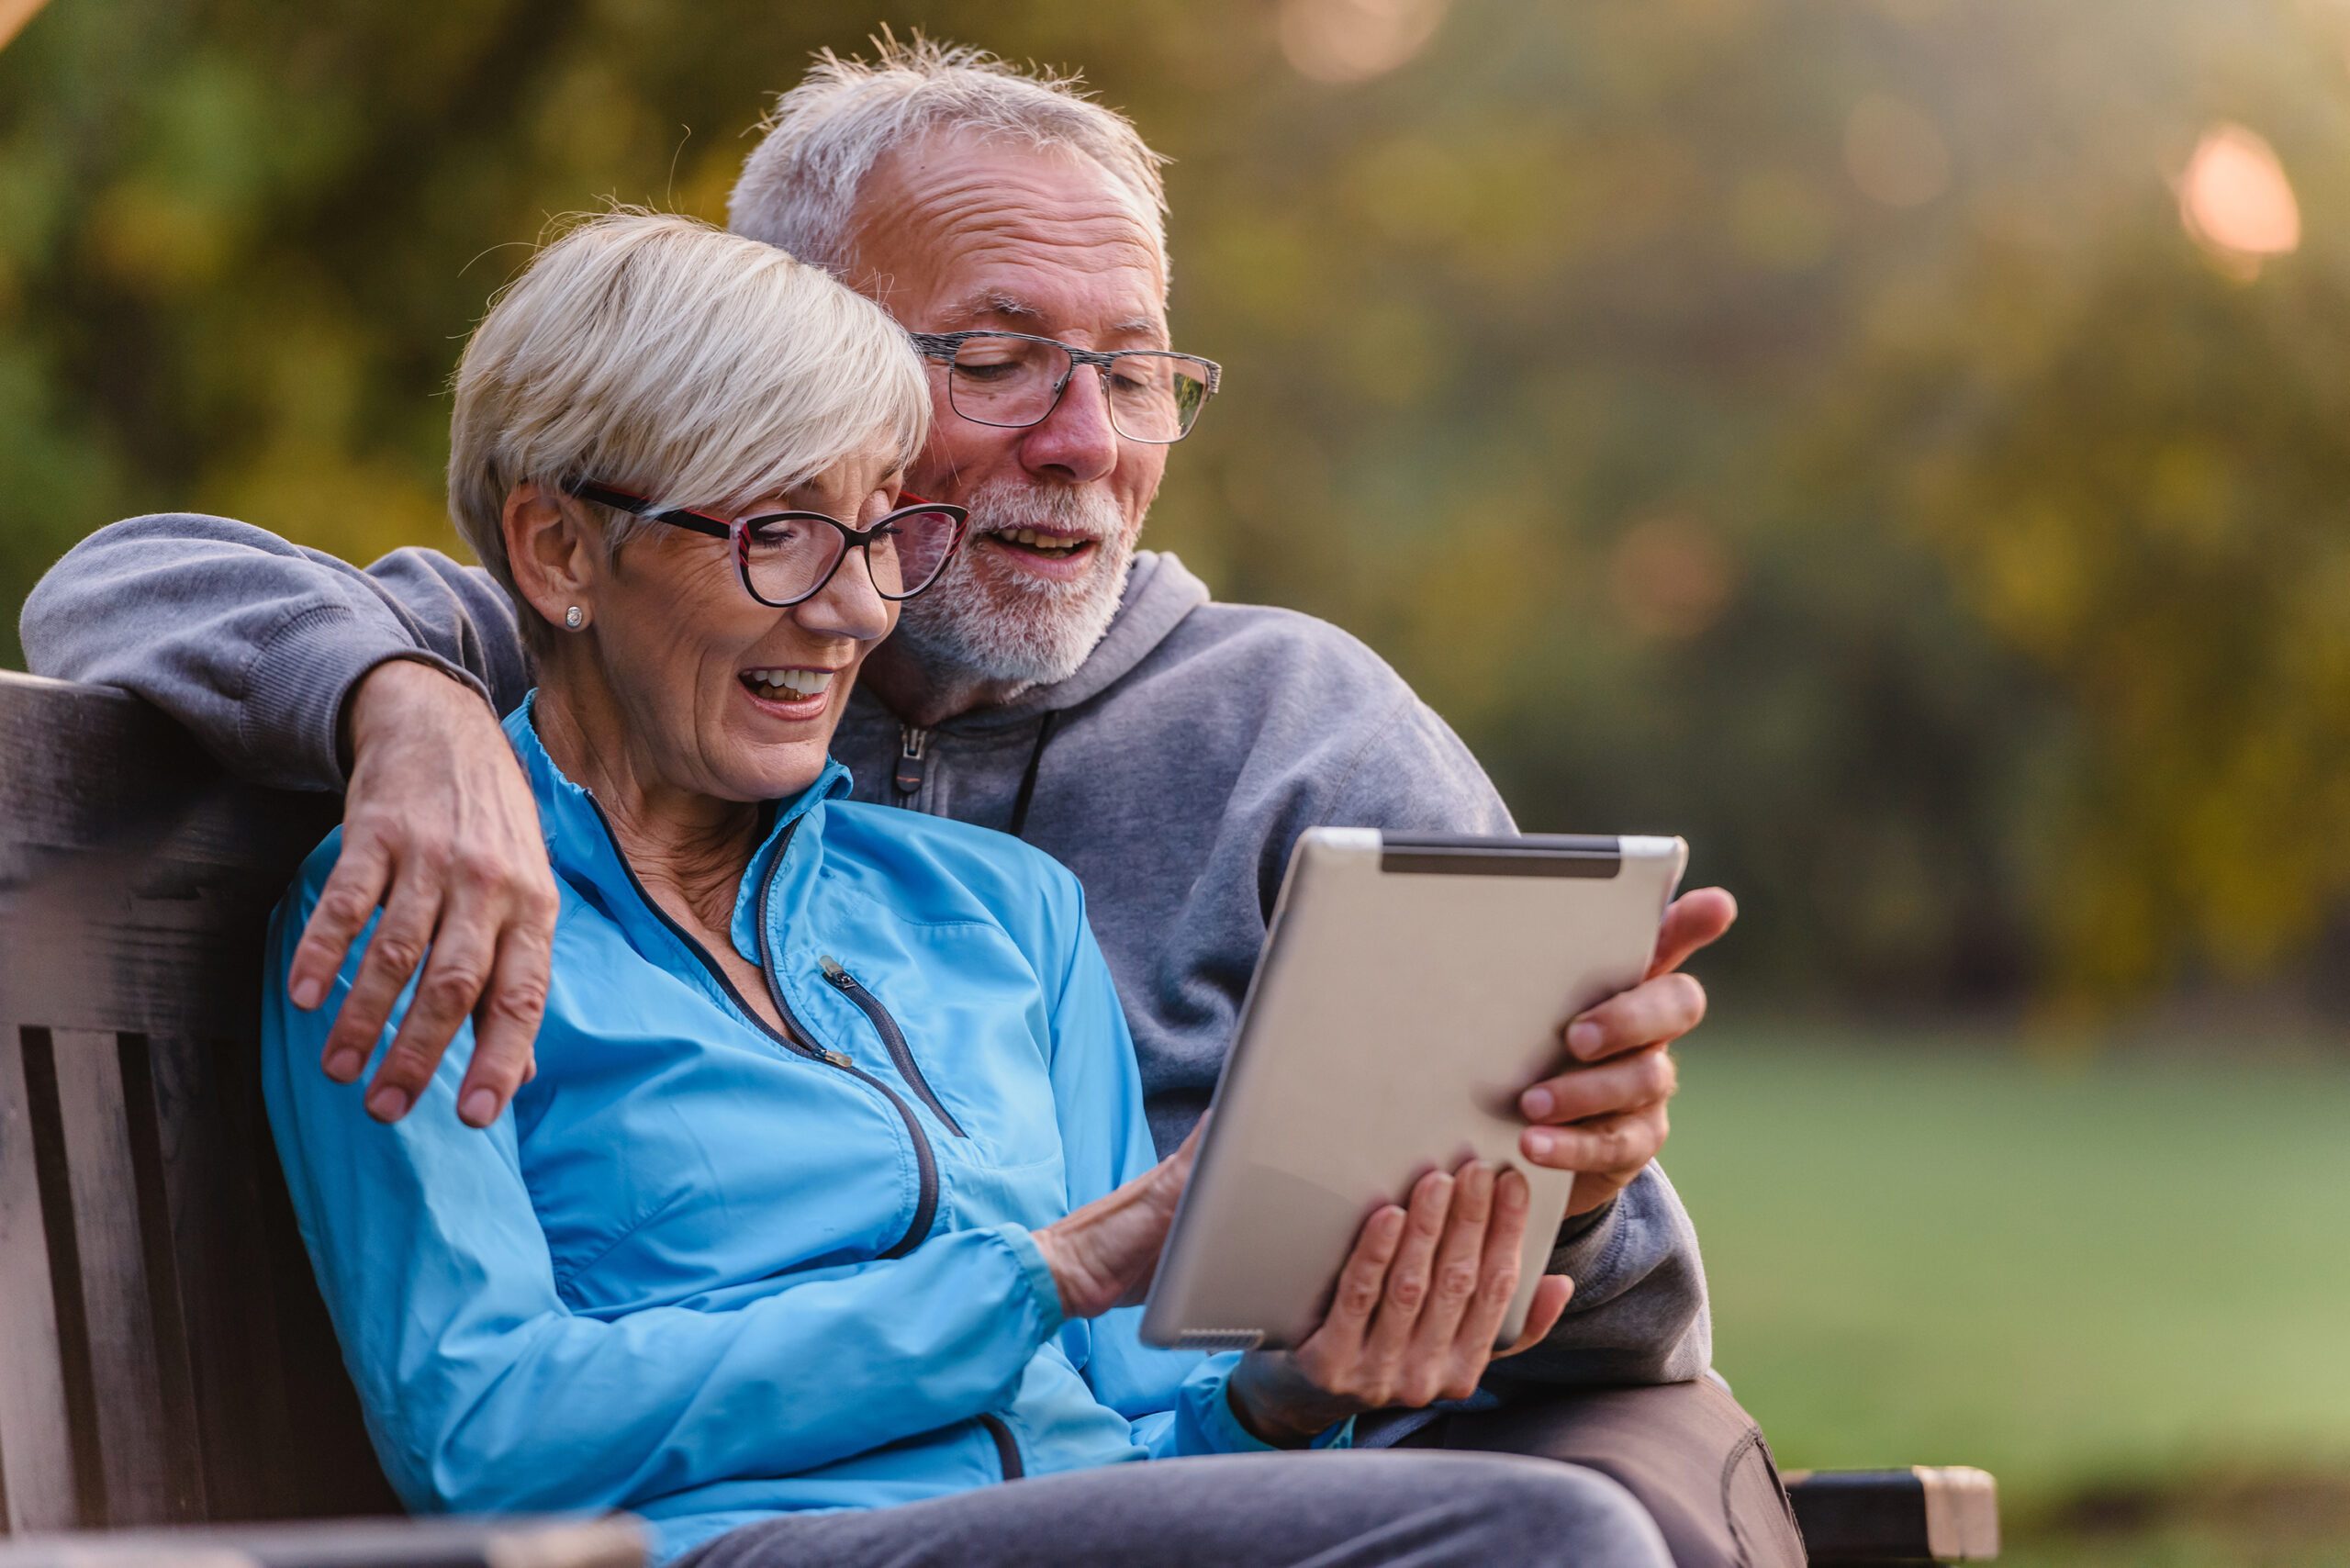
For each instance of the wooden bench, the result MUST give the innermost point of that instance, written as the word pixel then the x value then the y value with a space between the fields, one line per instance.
pixel 168 1361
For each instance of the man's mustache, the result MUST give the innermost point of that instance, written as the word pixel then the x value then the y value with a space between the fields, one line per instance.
pixel 1068 513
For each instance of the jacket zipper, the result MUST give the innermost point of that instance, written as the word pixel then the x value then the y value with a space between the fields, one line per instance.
pixel 796 1038
pixel 912 766
pixel 901 1053
pixel 1007 1452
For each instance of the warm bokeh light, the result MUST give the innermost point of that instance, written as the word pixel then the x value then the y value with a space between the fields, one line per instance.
pixel 1671 576
pixel 1894 153
pixel 14 15
pixel 2235 201
pixel 1354 41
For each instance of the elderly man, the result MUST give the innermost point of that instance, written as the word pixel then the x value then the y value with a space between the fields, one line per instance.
pixel 1059 684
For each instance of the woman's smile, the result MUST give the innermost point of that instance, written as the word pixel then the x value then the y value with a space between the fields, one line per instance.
pixel 795 693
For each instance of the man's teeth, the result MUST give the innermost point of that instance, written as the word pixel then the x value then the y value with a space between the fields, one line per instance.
pixel 1051 544
pixel 789 683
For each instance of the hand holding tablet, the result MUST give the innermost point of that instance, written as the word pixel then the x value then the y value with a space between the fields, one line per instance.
pixel 1415 1315
pixel 1412 989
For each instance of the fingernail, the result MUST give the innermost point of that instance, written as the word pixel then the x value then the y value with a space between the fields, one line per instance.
pixel 1538 1103
pixel 1538 1144
pixel 343 1066
pixel 308 993
pixel 480 1108
pixel 1584 1038
pixel 387 1104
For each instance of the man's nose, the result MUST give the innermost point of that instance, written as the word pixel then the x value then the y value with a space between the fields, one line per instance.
pixel 1076 442
pixel 848 606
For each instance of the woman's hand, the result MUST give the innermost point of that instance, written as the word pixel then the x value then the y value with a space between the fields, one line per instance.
pixel 1105 1254
pixel 1415 1314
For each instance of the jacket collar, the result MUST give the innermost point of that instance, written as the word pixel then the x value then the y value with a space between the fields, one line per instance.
pixel 582 847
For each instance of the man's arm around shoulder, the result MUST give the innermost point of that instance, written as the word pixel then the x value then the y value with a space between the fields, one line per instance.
pixel 256 644
pixel 276 656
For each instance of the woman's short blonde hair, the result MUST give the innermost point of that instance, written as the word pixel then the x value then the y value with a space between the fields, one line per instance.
pixel 658 354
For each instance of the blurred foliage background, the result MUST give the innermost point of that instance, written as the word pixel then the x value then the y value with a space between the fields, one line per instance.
pixel 1896 443
pixel 1807 425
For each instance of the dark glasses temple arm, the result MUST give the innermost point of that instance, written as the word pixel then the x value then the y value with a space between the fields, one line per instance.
pixel 621 500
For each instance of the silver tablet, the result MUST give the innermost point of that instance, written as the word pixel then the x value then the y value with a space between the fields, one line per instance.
pixel 1412 986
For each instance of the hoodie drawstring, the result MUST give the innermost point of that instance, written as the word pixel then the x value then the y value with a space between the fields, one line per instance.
pixel 1028 777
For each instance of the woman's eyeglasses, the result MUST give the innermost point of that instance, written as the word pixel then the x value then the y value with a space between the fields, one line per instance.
pixel 787 558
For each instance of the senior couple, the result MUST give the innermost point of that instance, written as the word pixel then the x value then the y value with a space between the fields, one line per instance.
pixel 756 1138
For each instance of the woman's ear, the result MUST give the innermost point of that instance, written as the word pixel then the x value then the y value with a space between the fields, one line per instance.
pixel 550 556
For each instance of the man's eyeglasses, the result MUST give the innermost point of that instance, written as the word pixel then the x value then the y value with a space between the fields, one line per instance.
pixel 787 558
pixel 1012 379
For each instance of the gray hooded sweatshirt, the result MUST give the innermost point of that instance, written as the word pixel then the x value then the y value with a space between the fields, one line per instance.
pixel 1172 773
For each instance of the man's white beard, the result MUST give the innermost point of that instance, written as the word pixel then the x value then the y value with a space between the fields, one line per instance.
pixel 1004 625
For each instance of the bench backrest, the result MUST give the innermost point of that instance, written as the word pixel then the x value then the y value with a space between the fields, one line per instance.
pixel 163 1354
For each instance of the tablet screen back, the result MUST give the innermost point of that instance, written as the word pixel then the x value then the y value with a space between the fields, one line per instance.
pixel 1411 987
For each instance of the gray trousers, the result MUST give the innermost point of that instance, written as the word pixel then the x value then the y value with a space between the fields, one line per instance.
pixel 1342 1509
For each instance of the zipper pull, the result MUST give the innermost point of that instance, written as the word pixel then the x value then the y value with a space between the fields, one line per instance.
pixel 912 768
pixel 841 977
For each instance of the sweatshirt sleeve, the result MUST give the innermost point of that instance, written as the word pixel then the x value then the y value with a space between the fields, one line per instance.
pixel 254 642
pixel 1639 1312
pixel 484 1393
pixel 1175 1402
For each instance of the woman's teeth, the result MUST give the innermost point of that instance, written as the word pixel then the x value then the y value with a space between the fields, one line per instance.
pixel 1045 544
pixel 784 685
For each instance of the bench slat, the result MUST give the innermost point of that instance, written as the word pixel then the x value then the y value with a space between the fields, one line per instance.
pixel 36 1448
pixel 143 1404
pixel 213 1148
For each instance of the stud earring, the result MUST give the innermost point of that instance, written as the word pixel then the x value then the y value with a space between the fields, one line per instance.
pixel 574 618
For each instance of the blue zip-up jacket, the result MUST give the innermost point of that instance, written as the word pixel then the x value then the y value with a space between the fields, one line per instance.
pixel 709 1273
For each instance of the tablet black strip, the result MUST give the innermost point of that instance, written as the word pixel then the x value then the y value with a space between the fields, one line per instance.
pixel 1533 855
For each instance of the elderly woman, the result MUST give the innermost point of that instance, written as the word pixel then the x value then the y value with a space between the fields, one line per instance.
pixel 823 1212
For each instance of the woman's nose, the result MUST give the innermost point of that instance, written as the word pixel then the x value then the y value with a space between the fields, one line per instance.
pixel 848 606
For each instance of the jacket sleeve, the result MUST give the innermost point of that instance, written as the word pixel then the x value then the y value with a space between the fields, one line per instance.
pixel 1639 1312
pixel 254 644
pixel 484 1391
pixel 1174 1401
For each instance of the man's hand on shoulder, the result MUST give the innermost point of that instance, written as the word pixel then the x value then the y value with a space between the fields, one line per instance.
pixel 440 833
pixel 1605 1117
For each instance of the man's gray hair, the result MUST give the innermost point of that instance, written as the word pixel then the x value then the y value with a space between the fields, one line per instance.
pixel 798 190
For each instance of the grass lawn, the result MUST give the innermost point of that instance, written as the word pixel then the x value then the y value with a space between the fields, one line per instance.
pixel 2121 1283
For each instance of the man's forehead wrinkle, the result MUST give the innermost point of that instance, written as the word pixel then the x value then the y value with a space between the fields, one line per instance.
pixel 951 194
pixel 969 237
pixel 993 302
pixel 1023 285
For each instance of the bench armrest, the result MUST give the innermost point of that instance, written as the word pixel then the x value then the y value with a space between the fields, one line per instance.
pixel 614 1541
pixel 1921 1515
